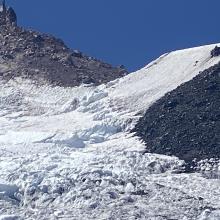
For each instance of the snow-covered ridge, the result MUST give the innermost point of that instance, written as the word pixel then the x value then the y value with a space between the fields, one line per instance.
pixel 70 147
pixel 143 87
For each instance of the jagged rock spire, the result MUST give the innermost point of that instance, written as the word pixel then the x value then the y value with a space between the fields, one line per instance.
pixel 7 15
pixel 2 6
pixel 11 16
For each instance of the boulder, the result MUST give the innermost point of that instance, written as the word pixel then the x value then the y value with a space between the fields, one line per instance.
pixel 215 52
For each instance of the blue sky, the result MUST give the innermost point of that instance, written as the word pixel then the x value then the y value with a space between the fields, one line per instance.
pixel 129 32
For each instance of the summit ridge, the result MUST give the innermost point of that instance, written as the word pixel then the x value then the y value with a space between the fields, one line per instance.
pixel 46 59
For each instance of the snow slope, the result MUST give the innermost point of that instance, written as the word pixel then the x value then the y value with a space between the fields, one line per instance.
pixel 67 152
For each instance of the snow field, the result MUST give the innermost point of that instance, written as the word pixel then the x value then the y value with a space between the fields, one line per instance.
pixel 67 152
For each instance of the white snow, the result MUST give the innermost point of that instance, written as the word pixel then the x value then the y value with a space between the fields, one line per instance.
pixel 7 190
pixel 9 217
pixel 67 153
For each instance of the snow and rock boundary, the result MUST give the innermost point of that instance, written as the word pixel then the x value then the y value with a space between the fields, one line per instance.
pixel 70 154
pixel 185 122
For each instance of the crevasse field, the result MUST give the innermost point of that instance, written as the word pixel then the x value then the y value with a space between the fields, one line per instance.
pixel 67 153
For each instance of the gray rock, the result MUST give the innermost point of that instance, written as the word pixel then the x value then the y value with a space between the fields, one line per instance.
pixel 186 122
pixel 25 51
pixel 215 52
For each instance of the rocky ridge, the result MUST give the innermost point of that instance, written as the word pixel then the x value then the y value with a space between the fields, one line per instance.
pixel 42 57
pixel 186 121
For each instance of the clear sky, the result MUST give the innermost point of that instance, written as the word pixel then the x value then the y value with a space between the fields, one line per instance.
pixel 129 32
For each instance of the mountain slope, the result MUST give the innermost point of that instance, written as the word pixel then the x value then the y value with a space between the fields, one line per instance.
pixel 42 57
pixel 68 153
pixel 186 121
pixel 67 150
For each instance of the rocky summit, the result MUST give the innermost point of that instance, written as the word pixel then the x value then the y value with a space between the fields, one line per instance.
pixel 44 58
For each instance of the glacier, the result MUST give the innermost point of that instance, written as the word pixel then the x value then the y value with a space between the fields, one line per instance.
pixel 67 153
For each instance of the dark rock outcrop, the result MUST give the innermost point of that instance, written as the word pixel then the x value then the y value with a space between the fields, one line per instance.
pixel 215 52
pixel 42 57
pixel 11 17
pixel 7 15
pixel 186 121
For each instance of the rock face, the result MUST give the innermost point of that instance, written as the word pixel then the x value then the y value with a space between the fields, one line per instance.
pixel 42 57
pixel 7 15
pixel 186 121
pixel 215 52
pixel 11 16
